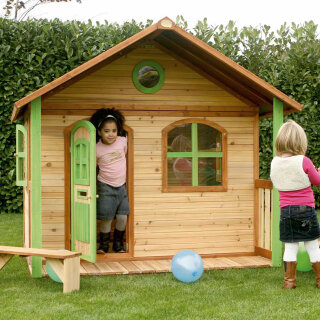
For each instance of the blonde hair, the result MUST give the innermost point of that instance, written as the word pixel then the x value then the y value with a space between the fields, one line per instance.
pixel 291 138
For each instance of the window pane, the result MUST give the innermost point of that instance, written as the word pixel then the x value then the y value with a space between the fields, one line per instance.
pixel 179 172
pixel 179 139
pixel 77 162
pixel 148 76
pixel 210 171
pixel 209 139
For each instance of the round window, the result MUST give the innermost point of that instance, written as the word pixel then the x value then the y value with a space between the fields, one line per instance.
pixel 148 76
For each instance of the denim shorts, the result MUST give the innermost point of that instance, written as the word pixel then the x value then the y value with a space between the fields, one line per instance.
pixel 111 201
pixel 298 223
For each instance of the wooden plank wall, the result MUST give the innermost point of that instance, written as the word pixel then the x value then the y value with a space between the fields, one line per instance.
pixel 219 222
pixel 52 179
pixel 164 223
pixel 183 89
pixel 208 222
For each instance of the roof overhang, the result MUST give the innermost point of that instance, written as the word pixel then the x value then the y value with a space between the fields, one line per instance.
pixel 187 47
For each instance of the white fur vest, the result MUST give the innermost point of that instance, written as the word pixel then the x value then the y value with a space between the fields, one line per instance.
pixel 287 173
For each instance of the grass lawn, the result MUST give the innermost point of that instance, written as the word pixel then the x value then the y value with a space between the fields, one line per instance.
pixel 218 294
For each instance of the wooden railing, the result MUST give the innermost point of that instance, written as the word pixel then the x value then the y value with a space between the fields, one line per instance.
pixel 264 230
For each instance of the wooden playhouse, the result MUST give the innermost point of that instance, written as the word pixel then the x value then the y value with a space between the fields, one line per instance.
pixel 167 83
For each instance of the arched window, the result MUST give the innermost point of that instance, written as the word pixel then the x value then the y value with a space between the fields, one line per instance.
pixel 195 156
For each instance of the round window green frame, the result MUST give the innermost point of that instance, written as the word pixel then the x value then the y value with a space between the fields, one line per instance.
pixel 135 79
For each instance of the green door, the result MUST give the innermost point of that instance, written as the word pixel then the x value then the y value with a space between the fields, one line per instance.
pixel 83 190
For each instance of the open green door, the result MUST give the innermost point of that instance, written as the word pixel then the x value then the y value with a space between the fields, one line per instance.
pixel 83 190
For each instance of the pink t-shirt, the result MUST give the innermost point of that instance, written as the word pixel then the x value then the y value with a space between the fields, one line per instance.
pixel 303 196
pixel 111 160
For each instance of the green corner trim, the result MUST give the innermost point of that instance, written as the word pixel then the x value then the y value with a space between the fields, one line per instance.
pixel 276 243
pixel 136 81
pixel 35 192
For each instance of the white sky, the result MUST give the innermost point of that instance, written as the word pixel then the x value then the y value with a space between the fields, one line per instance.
pixel 244 12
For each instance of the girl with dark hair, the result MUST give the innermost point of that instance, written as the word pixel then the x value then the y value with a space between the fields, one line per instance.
pixel 111 180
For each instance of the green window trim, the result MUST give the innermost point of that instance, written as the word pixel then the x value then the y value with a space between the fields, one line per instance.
pixel 136 81
pixel 21 155
pixel 195 155
pixel 82 161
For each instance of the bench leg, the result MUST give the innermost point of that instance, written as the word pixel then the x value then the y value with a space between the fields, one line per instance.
pixel 4 258
pixel 71 274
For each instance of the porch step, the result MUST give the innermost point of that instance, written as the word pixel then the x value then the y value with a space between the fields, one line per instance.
pixel 159 266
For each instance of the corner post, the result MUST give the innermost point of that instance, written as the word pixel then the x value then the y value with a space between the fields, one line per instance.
pixel 35 194
pixel 276 243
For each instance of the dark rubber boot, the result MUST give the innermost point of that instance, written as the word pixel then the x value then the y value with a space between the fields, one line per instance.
pixel 104 242
pixel 118 241
pixel 290 275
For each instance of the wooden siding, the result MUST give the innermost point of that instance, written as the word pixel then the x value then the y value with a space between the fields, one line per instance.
pixel 183 89
pixel 164 223
pixel 52 174
pixel 208 222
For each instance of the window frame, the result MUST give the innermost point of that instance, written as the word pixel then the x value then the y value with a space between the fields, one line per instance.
pixel 21 156
pixel 136 81
pixel 83 161
pixel 223 187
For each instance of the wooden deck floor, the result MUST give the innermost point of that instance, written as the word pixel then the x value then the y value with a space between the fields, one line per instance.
pixel 159 266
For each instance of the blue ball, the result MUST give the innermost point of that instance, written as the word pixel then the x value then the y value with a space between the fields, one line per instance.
pixel 187 266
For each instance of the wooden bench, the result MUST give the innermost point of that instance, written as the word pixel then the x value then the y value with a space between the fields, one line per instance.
pixel 66 264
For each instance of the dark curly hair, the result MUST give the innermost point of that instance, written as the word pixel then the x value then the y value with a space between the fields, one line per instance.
pixel 100 117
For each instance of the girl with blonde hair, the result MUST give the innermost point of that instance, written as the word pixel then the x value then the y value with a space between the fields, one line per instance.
pixel 292 173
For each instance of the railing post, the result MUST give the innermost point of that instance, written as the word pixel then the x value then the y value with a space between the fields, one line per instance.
pixel 276 243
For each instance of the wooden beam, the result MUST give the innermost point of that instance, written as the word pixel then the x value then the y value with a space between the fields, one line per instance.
pixel 264 184
pixel 161 113
pixel 263 252
pixel 270 114
pixel 256 176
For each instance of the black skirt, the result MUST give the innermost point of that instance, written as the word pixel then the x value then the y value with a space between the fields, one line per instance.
pixel 298 223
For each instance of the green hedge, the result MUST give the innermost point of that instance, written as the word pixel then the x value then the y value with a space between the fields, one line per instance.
pixel 33 53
